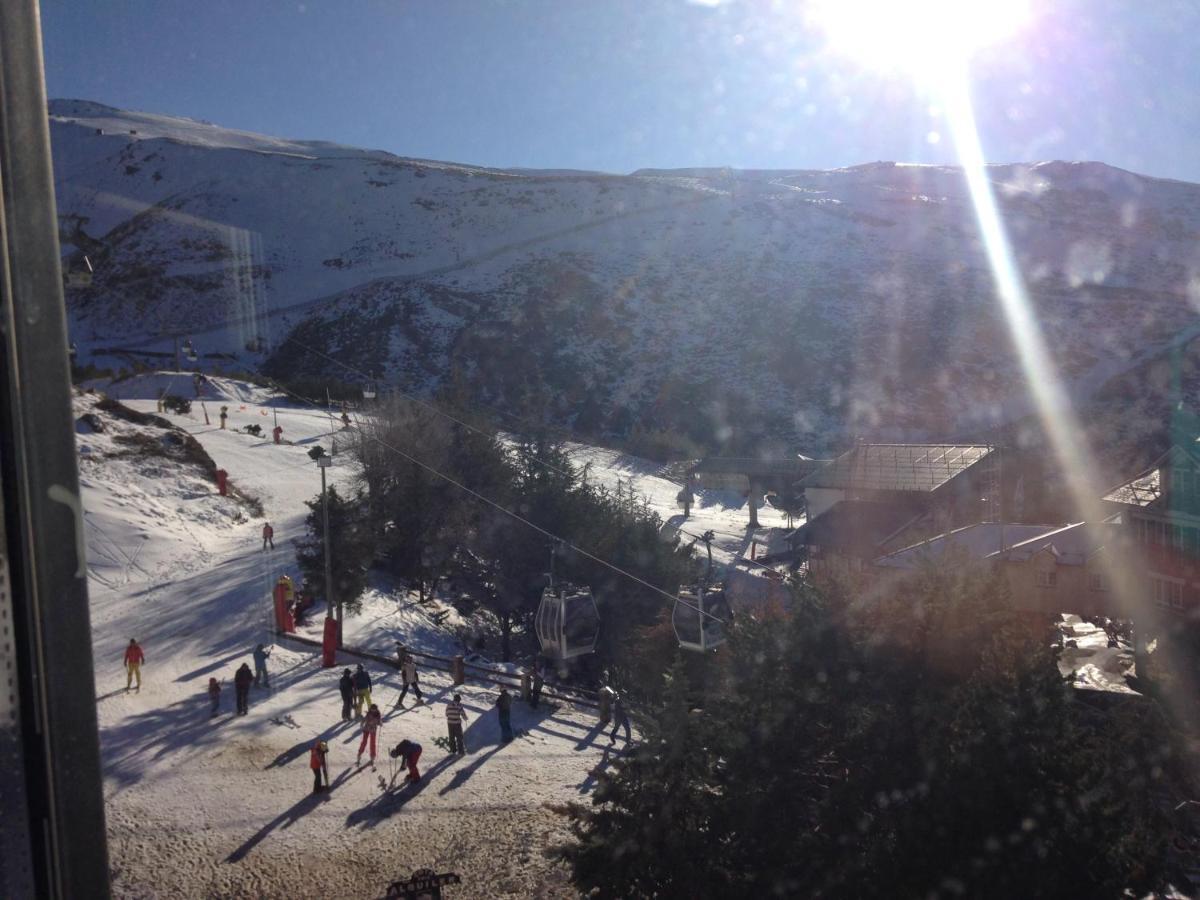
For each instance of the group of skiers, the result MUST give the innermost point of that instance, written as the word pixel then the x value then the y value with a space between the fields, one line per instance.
pixel 243 680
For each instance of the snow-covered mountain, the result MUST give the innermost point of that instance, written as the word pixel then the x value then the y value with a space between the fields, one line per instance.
pixel 808 304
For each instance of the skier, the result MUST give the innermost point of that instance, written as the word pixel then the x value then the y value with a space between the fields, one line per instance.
pixel 345 419
pixel 409 752
pixel 277 431
pixel 536 690
pixel 346 686
pixel 316 762
pixel 620 719
pixel 362 690
pixel 214 694
pixel 133 664
pixel 371 724
pixel 241 686
pixel 268 536
pixel 504 707
pixel 224 416
pixel 408 669
pixel 261 654
pixel 454 719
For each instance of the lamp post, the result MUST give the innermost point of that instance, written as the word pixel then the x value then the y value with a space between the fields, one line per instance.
pixel 323 462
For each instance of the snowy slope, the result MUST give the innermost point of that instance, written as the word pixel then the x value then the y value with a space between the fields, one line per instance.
pixel 202 808
pixel 805 304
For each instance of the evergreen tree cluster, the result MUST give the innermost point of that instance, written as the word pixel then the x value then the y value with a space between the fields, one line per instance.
pixel 921 745
pixel 442 499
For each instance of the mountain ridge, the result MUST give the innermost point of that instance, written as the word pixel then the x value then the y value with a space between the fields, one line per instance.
pixel 730 306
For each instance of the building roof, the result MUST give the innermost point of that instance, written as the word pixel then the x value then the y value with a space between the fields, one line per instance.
pixel 975 542
pixel 1072 545
pixel 898 467
pixel 1146 488
pixel 855 527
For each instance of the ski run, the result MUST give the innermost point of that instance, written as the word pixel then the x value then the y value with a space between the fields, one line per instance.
pixel 202 806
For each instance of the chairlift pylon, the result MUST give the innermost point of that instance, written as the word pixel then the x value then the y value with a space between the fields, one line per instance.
pixel 567 620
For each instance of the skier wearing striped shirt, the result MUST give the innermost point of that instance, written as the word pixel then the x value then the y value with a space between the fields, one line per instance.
pixel 454 719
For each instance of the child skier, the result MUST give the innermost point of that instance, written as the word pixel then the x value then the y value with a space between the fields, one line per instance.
pixel 319 766
pixel 371 725
pixel 268 536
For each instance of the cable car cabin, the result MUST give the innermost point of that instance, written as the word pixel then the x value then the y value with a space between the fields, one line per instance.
pixel 189 351
pixel 567 622
pixel 78 278
pixel 368 391
pixel 699 617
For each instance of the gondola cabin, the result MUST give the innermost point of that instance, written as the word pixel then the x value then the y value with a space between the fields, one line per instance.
pixel 699 617
pixel 567 622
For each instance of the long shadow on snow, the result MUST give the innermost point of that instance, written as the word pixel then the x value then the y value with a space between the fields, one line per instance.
pixel 289 817
pixel 594 773
pixel 392 801
pixel 156 732
pixel 298 750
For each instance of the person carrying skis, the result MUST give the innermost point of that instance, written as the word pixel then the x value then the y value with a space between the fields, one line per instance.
pixel 454 719
pixel 362 690
pixel 620 719
pixel 224 416
pixel 268 536
pixel 371 725
pixel 504 707
pixel 408 670
pixel 133 664
pixel 318 764
pixel 214 694
pixel 408 752
pixel 261 654
pixel 242 680
pixel 346 686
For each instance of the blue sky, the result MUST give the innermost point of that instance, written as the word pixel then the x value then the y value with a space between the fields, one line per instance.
pixel 616 86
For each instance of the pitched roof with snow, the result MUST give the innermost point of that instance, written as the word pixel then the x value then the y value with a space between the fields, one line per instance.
pixel 1072 545
pixel 976 541
pixel 898 467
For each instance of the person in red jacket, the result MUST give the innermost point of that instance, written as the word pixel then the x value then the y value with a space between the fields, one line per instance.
pixel 133 664
pixel 371 724
pixel 408 752
pixel 316 762
pixel 268 536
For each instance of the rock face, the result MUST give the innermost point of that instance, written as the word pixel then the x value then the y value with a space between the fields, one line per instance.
pixel 725 304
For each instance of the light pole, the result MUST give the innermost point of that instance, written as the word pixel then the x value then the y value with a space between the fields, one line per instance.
pixel 323 462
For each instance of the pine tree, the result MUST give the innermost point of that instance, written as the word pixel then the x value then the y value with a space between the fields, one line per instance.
pixel 350 548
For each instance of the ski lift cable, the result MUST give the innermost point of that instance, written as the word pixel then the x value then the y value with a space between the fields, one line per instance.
pixel 508 512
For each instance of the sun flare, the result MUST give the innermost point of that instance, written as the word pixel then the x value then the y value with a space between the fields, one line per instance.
pixel 923 38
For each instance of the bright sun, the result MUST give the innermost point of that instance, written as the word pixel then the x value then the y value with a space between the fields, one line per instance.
pixel 924 38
